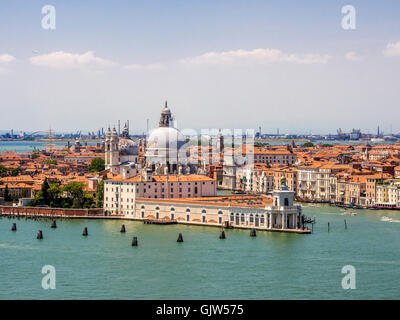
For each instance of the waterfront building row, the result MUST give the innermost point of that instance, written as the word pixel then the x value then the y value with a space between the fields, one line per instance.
pixel 123 198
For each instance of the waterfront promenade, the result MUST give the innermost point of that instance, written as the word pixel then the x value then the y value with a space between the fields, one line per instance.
pixel 61 213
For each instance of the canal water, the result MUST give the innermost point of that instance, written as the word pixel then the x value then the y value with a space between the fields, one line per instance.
pixel 104 265
pixel 29 146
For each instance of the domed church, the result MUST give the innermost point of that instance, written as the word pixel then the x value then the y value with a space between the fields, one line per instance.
pixel 120 153
pixel 164 153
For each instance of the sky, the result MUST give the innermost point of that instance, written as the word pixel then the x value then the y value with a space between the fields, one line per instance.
pixel 283 64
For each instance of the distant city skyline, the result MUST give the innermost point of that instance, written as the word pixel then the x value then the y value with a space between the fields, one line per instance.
pixel 226 64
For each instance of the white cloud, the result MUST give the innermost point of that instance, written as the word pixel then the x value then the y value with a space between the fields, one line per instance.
pixel 392 49
pixel 6 58
pixel 65 60
pixel 258 56
pixel 136 67
pixel 352 56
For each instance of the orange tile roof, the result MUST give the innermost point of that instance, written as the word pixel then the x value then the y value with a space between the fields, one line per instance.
pixel 163 178
pixel 247 201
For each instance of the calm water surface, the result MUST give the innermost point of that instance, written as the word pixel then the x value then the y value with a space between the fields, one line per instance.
pixel 28 146
pixel 271 266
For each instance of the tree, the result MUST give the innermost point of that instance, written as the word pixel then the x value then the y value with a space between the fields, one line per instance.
pixel 15 171
pixel 54 194
pixel 88 200
pixel 74 190
pixel 3 171
pixel 25 193
pixel 308 145
pixel 97 165
pixel 44 191
pixel 7 196
pixel 100 194
pixel 50 161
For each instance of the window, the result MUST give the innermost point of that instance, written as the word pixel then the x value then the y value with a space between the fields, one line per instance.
pixel 232 217
pixel 251 218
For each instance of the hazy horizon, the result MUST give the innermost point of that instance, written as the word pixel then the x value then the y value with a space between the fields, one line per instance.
pixel 220 64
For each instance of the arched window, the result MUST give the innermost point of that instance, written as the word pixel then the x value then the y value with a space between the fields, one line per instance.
pixel 232 217
pixel 242 217
pixel 219 211
pixel 251 218
pixel 262 219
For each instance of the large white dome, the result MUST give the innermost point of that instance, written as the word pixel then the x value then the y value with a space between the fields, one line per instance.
pixel 164 145
pixel 165 138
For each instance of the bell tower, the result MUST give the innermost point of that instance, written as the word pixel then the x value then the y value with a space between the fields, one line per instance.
pixel 114 152
pixel 108 148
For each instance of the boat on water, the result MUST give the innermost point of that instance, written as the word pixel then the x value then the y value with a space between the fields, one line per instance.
pixel 349 213
pixel 385 207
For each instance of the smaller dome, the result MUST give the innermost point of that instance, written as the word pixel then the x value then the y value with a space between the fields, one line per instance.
pixel 166 110
pixel 127 146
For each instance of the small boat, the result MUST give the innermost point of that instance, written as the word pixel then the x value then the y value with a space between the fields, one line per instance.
pixel 349 213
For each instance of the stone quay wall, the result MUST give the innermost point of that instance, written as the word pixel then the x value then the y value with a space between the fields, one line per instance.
pixel 50 212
